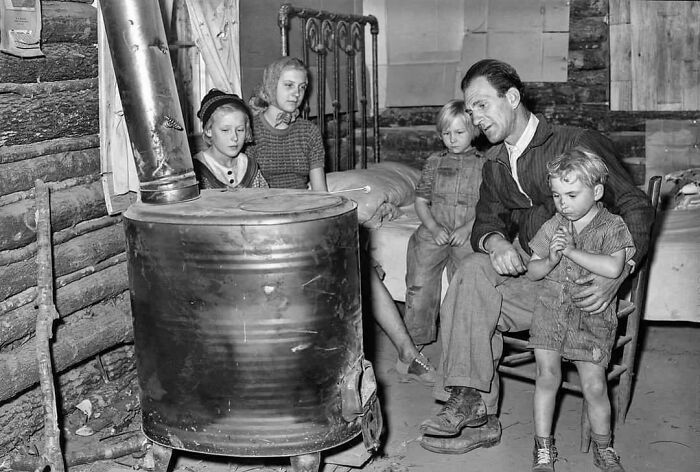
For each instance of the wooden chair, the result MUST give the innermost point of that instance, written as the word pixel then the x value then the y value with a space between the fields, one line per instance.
pixel 518 361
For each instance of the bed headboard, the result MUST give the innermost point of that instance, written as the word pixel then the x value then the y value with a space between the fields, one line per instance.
pixel 334 40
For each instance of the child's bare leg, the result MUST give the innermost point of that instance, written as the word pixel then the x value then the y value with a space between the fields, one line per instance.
pixel 546 388
pixel 594 385
pixel 389 319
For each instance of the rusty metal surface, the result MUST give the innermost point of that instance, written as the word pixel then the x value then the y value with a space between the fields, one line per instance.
pixel 247 319
pixel 327 34
pixel 144 74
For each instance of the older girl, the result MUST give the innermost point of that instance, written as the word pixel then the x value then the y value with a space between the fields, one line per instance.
pixel 288 148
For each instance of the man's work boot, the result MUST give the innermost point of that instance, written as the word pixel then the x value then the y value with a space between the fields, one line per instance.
pixel 487 435
pixel 464 408
pixel 544 454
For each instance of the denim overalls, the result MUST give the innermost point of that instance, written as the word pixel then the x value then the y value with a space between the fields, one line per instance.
pixel 454 193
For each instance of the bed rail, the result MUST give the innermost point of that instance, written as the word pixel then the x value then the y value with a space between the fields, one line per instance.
pixel 329 36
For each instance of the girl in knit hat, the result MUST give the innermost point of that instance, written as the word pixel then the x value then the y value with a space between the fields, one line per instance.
pixel 226 130
pixel 288 148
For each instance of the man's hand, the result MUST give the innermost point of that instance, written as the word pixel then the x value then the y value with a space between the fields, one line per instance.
pixel 505 259
pixel 596 292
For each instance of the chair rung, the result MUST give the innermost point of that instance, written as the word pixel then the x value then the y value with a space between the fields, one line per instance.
pixel 519 343
pixel 622 340
pixel 616 371
pixel 625 308
pixel 517 358
pixel 520 374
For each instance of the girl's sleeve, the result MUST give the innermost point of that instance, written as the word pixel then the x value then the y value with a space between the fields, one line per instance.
pixel 317 155
pixel 259 181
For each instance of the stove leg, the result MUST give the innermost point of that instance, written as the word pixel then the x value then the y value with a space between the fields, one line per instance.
pixel 306 462
pixel 161 457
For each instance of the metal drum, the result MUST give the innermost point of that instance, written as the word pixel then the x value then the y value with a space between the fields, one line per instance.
pixel 247 320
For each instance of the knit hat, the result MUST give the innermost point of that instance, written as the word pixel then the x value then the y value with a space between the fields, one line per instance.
pixel 214 99
pixel 265 93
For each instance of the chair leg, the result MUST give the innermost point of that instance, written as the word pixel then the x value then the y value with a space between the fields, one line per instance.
pixel 585 427
pixel 624 392
pixel 622 398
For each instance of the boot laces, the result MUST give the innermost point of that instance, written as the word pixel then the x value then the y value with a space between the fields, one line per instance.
pixel 546 455
pixel 609 456
pixel 451 408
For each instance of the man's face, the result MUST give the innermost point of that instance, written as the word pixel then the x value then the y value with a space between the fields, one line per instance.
pixel 493 114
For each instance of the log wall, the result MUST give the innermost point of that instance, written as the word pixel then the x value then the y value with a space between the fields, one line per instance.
pixel 49 116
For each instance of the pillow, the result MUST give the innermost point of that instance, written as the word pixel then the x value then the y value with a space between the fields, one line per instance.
pixel 377 190
pixel 686 189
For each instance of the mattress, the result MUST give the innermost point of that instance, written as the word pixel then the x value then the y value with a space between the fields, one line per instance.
pixel 673 293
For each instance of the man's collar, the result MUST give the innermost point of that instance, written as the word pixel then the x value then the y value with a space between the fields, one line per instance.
pixel 526 135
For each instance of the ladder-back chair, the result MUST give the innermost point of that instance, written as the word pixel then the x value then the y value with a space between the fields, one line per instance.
pixel 518 361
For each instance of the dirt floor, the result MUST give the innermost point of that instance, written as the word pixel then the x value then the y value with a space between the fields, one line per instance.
pixel 662 431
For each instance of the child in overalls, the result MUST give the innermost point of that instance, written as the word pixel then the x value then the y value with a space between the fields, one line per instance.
pixel 581 238
pixel 446 196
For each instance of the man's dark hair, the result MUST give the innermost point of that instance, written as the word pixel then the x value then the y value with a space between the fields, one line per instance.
pixel 500 75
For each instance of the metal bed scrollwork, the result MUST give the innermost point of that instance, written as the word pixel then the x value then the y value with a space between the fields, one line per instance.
pixel 330 37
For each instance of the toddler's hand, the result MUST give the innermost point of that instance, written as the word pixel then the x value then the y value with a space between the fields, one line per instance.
pixel 460 236
pixel 565 236
pixel 556 247
pixel 440 236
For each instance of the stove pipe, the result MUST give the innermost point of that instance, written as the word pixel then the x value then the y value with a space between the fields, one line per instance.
pixel 139 49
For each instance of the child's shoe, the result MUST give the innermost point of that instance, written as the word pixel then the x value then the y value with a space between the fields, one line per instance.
pixel 419 370
pixel 606 459
pixel 544 454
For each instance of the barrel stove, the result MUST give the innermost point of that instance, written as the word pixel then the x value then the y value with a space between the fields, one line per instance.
pixel 247 320
pixel 246 304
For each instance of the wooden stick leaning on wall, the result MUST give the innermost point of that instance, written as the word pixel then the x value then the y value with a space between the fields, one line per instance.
pixel 44 328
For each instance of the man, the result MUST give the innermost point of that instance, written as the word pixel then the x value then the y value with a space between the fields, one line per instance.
pixel 487 296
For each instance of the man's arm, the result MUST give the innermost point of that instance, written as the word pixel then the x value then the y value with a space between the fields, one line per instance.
pixel 633 205
pixel 621 196
pixel 491 216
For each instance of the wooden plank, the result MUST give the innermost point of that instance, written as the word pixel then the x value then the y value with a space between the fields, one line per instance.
pixel 644 58
pixel 620 53
pixel 690 74
pixel 665 59
pixel 619 12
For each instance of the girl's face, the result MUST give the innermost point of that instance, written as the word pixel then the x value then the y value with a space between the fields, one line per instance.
pixel 290 89
pixel 228 132
pixel 457 137
pixel 574 199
